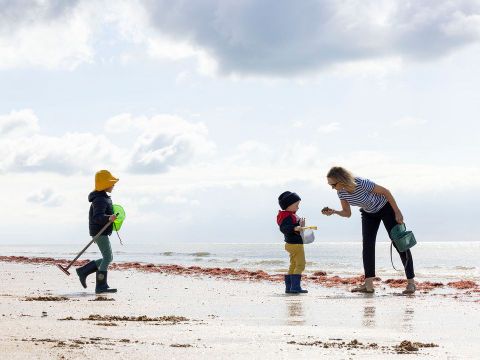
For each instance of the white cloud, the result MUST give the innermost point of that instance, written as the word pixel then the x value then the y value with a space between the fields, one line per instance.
pixel 298 124
pixel 46 197
pixel 409 121
pixel 48 34
pixel 378 67
pixel 235 38
pixel 180 200
pixel 305 36
pixel 329 128
pixel 18 123
pixel 67 154
pixel 163 141
pixel 24 149
pixel 160 142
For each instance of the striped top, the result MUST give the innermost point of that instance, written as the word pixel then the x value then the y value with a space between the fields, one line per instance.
pixel 363 196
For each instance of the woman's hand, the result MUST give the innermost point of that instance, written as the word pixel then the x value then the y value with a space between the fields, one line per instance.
pixel 399 217
pixel 327 211
pixel 302 222
pixel 112 218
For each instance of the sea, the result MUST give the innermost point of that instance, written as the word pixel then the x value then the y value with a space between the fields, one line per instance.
pixel 433 261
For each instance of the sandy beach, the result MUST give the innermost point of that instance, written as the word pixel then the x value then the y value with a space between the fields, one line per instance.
pixel 177 312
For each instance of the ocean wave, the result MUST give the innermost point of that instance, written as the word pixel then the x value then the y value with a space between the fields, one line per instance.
pixel 224 261
pixel 464 267
pixel 200 254
pixel 267 262
pixel 167 253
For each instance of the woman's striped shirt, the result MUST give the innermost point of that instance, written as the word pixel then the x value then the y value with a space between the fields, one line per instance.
pixel 363 196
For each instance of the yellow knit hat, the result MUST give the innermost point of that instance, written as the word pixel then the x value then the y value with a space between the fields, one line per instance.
pixel 104 180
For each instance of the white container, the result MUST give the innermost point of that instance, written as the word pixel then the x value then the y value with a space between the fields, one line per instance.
pixel 308 236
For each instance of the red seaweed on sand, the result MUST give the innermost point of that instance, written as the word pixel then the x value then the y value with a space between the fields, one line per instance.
pixel 318 277
pixel 425 286
pixel 463 284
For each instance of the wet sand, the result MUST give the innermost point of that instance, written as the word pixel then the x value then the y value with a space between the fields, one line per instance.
pixel 170 311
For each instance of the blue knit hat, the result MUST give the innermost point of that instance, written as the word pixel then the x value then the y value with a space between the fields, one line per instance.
pixel 287 198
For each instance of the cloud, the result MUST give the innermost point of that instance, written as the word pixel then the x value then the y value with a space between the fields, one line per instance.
pixel 164 141
pixel 67 154
pixel 50 34
pixel 45 197
pixel 24 149
pixel 160 143
pixel 23 122
pixel 409 121
pixel 329 128
pixel 180 200
pixel 281 37
pixel 268 38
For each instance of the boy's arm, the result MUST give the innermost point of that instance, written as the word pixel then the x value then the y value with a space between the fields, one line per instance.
pixel 288 226
pixel 99 211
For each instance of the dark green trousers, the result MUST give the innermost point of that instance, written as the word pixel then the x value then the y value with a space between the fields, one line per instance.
pixel 103 243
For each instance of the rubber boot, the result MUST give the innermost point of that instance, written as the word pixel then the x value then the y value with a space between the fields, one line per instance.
pixel 102 286
pixel 296 288
pixel 86 270
pixel 411 287
pixel 288 284
pixel 367 287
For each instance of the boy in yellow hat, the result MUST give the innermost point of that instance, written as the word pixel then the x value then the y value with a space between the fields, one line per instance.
pixel 101 212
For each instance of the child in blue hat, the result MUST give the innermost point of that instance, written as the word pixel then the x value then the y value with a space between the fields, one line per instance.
pixel 290 225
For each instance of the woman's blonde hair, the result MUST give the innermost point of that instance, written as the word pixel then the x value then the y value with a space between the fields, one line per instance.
pixel 343 176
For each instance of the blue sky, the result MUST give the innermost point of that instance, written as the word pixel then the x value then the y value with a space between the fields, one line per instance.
pixel 208 110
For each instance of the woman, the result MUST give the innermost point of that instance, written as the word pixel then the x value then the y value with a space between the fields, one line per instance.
pixel 376 205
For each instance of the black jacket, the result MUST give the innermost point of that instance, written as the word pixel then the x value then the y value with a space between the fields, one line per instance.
pixel 100 209
pixel 287 223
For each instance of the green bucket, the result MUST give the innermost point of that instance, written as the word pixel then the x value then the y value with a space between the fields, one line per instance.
pixel 402 238
pixel 120 213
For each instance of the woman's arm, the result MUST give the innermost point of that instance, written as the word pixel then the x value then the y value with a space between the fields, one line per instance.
pixel 345 212
pixel 388 195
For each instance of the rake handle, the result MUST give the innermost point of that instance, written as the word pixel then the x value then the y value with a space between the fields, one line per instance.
pixel 90 243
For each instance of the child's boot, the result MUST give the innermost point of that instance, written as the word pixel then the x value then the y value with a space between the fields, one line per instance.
pixel 296 288
pixel 102 286
pixel 411 288
pixel 288 283
pixel 367 287
pixel 86 270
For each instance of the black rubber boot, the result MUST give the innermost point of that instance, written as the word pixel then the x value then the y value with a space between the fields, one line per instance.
pixel 86 270
pixel 288 284
pixel 296 288
pixel 102 286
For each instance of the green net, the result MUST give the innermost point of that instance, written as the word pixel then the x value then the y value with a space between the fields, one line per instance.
pixel 118 210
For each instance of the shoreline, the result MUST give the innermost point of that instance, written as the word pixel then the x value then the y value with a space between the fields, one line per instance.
pixel 463 287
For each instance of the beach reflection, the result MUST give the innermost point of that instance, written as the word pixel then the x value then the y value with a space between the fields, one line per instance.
pixel 408 315
pixel 295 312
pixel 369 315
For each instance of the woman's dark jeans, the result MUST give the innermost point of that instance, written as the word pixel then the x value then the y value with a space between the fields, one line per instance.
pixel 370 225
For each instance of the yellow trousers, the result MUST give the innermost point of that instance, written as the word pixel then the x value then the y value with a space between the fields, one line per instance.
pixel 297 258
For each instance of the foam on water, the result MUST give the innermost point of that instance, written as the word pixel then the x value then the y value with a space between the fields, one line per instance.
pixel 434 260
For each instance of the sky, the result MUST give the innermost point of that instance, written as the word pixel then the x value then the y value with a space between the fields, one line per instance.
pixel 208 110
